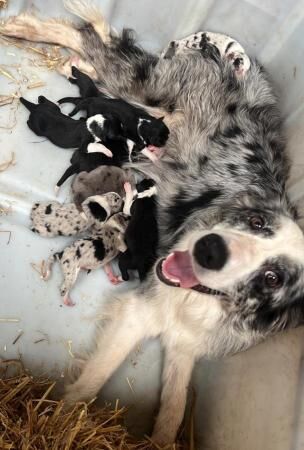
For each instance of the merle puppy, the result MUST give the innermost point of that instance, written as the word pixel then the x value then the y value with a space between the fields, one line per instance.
pixel 231 266
pixel 141 236
pixel 89 253
pixel 51 219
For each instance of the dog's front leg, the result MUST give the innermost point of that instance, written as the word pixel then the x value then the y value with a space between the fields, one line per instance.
pixel 178 366
pixel 129 322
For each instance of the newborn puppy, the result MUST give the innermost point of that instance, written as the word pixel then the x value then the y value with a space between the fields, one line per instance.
pixel 98 181
pixel 47 120
pixel 51 219
pixel 86 85
pixel 90 253
pixel 141 236
pixel 148 133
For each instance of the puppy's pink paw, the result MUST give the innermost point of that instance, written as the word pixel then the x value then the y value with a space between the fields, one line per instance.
pixel 67 301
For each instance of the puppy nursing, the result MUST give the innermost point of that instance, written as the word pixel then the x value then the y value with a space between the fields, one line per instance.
pixel 147 133
pixel 230 269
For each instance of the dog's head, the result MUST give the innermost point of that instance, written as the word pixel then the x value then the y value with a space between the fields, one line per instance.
pixel 252 260
pixel 154 132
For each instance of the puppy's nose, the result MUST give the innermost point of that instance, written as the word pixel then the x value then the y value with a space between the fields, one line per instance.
pixel 211 252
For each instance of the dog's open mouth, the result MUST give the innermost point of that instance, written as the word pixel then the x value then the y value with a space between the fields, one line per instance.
pixel 176 270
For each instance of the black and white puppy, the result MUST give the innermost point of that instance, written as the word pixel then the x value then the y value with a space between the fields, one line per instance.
pixel 47 120
pixel 141 236
pixel 86 162
pixel 90 253
pixel 148 133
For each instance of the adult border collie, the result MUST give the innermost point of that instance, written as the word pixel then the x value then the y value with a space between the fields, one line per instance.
pixel 230 269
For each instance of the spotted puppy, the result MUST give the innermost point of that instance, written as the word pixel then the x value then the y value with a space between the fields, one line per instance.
pixel 90 253
pixel 51 219
pixel 223 45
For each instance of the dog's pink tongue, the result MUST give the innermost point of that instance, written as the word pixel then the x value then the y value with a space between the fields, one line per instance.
pixel 177 267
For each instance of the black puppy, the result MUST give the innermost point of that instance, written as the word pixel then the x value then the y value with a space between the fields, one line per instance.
pixel 141 235
pixel 86 85
pixel 47 120
pixel 86 162
pixel 148 133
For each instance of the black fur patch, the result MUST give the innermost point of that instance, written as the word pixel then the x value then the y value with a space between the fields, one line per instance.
pixel 228 46
pixel 97 211
pixel 231 108
pixel 171 107
pixel 143 69
pixel 125 44
pixel 176 165
pixel 233 169
pixel 182 207
pixel 208 50
pixel 254 146
pixel 232 132
pixel 48 227
pixel 151 101
pixel 203 159
pixel 58 255
pixel 48 209
pixel 99 249
pixel 78 253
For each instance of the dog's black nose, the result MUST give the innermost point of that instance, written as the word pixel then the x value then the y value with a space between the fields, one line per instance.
pixel 211 252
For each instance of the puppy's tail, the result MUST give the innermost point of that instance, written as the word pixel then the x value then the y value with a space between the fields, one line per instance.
pixel 30 106
pixel 89 12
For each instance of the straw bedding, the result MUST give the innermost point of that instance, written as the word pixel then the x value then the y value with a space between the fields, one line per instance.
pixel 30 420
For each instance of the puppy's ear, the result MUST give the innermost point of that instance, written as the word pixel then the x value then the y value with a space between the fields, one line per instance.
pixel 97 211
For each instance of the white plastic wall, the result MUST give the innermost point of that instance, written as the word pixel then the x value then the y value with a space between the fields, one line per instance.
pixel 252 401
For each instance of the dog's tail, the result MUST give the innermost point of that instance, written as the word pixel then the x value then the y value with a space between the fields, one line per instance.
pixel 89 12
pixel 30 106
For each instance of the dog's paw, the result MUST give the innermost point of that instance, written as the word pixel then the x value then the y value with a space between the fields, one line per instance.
pixel 75 393
pixel 163 438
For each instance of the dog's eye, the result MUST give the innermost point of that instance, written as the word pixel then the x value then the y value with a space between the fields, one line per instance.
pixel 256 222
pixel 272 279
